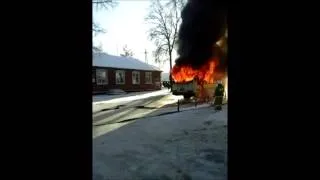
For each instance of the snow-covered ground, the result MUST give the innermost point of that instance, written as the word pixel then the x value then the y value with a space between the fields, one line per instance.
pixel 109 123
pixel 103 101
pixel 187 144
pixel 97 99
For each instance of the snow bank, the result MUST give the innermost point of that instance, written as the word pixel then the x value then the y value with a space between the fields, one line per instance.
pixel 100 99
pixel 105 101
pixel 191 144
pixel 105 97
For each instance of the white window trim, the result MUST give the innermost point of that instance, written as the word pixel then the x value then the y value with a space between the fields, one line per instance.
pixel 124 76
pixel 133 77
pixel 97 77
pixel 145 75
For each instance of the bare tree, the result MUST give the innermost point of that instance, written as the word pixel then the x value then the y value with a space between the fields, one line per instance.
pixel 104 4
pixel 164 16
pixel 96 29
pixel 101 5
pixel 126 52
pixel 97 49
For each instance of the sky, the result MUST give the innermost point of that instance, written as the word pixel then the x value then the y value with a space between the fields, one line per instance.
pixel 125 25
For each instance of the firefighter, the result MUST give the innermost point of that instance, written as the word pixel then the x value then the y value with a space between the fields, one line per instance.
pixel 218 96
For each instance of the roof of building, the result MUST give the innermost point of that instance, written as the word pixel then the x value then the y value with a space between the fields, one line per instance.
pixel 106 60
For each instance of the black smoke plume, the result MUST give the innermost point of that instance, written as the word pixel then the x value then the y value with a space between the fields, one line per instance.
pixel 203 23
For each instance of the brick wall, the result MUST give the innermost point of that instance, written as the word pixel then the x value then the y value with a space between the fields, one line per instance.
pixel 128 86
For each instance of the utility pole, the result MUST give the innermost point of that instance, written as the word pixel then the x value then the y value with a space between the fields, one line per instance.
pixel 146 56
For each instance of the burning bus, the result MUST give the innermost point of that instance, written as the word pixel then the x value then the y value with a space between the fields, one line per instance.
pixel 200 82
pixel 202 49
pixel 194 89
pixel 194 82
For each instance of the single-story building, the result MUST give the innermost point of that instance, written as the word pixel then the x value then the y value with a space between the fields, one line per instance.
pixel 126 73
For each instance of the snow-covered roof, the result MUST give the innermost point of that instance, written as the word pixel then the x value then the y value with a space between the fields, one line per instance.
pixel 106 60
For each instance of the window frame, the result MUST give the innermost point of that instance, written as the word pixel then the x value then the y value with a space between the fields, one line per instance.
pixel 145 77
pixel 98 77
pixel 134 73
pixel 124 77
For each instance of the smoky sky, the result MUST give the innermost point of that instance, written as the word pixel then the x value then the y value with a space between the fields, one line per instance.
pixel 203 24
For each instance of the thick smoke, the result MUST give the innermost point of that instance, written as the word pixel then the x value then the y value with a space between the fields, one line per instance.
pixel 203 24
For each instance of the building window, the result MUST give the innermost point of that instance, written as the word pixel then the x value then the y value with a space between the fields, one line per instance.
pixel 135 77
pixel 101 76
pixel 148 78
pixel 120 77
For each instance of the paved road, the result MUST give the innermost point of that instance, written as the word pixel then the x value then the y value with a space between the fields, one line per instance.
pixel 130 110
pixel 126 110
pixel 109 114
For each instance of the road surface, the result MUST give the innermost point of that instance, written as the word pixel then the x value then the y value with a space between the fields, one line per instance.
pixel 115 112
pixel 110 113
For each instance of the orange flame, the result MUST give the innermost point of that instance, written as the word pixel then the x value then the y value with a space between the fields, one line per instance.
pixel 205 74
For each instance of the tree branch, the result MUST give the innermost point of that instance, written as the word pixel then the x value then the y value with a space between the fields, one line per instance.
pixel 96 29
pixel 104 4
pixel 175 28
pixel 165 20
pixel 102 1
